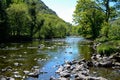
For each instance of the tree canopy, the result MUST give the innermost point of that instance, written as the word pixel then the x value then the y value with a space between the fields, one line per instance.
pixel 91 15
pixel 30 18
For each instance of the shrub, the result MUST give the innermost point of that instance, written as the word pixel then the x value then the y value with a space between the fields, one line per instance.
pixel 101 39
pixel 106 49
pixel 114 33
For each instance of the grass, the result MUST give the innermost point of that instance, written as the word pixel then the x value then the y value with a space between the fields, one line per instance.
pixel 109 47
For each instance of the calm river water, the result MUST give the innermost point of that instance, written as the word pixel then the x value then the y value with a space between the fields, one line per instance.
pixel 47 55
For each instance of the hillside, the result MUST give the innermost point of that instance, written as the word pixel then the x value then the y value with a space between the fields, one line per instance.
pixel 21 19
pixel 45 9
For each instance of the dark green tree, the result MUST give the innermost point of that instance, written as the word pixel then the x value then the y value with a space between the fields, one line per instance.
pixel 3 20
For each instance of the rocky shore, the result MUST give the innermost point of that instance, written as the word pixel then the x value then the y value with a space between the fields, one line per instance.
pixel 80 70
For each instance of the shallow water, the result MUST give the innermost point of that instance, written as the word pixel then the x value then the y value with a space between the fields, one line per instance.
pixel 48 57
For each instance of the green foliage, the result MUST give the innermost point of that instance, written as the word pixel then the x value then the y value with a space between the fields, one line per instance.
pixel 94 18
pixel 89 17
pixel 114 33
pixel 111 8
pixel 31 18
pixel 101 39
pixel 106 49
pixel 53 27
pixel 104 30
pixel 18 18
pixel 109 47
pixel 75 30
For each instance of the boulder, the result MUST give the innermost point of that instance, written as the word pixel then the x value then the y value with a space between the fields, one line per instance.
pixel 90 63
pixel 32 74
pixel 65 74
pixel 60 69
pixel 106 64
pixel 3 78
pixel 10 78
pixel 26 72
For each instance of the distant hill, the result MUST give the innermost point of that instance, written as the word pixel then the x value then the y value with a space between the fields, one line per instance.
pixel 45 9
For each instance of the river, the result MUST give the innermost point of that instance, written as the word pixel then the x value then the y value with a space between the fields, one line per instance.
pixel 47 55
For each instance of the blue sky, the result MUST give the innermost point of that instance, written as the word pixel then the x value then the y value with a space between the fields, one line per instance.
pixel 63 8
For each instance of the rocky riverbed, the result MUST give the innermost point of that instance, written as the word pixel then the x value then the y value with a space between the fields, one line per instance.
pixel 57 60
pixel 80 69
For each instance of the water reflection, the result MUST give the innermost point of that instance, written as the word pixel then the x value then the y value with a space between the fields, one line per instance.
pixel 85 51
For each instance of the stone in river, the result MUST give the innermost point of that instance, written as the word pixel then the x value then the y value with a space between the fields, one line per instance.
pixel 16 64
pixel 65 74
pixel 26 72
pixel 3 78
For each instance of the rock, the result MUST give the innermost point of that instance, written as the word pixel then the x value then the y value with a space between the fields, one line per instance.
pixel 36 67
pixel 32 74
pixel 95 78
pixel 25 52
pixel 90 63
pixel 9 68
pixel 63 78
pixel 16 72
pixel 116 57
pixel 79 70
pixel 106 64
pixel 35 73
pixel 79 76
pixel 101 78
pixel 52 78
pixel 65 74
pixel 41 46
pixel 94 57
pixel 85 73
pixel 67 66
pixel 3 78
pixel 106 59
pixel 10 78
pixel 16 64
pixel 70 52
pixel 60 69
pixel 17 76
pixel 26 72
pixel 117 64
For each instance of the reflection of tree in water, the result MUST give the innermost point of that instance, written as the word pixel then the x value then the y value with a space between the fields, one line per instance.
pixel 85 51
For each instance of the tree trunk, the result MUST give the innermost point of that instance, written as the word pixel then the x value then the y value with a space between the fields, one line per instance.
pixel 107 10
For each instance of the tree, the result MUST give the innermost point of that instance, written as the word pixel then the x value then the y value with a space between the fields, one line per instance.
pixel 3 20
pixel 18 19
pixel 111 8
pixel 89 17
pixel 114 31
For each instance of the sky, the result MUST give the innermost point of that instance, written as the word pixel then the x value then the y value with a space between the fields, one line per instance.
pixel 63 8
